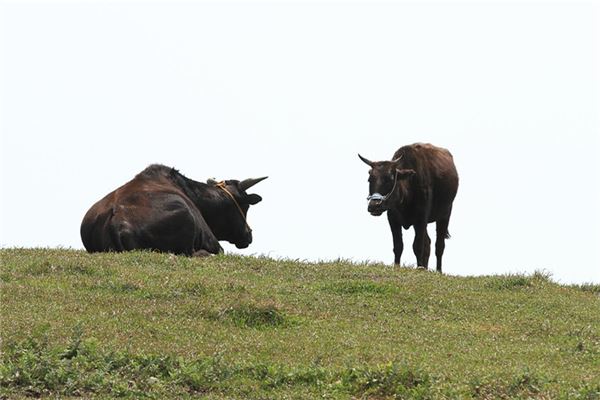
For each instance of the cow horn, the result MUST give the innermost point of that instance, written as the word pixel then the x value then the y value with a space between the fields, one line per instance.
pixel 396 160
pixel 368 162
pixel 248 183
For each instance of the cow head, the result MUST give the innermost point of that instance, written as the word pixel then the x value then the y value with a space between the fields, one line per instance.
pixel 384 184
pixel 234 204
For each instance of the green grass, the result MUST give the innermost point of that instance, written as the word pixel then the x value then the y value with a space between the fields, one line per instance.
pixel 143 324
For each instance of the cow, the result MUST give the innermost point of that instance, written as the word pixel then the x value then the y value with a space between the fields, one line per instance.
pixel 162 210
pixel 417 187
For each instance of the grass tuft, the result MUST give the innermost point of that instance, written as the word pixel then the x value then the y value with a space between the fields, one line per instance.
pixel 588 287
pixel 251 316
pixel 511 282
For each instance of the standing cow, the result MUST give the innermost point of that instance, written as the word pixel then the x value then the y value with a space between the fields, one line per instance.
pixel 160 209
pixel 417 187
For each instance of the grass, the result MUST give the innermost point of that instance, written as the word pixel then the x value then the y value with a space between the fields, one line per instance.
pixel 143 324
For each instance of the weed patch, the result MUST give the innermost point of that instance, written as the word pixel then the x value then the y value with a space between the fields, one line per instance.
pixel 391 380
pixel 524 385
pixel 271 376
pixel 32 368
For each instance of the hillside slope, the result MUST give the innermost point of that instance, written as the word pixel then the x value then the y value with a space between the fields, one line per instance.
pixel 158 325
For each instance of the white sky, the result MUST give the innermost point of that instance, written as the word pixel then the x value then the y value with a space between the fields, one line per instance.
pixel 92 93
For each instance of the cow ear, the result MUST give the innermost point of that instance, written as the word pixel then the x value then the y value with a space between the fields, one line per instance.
pixel 405 173
pixel 253 199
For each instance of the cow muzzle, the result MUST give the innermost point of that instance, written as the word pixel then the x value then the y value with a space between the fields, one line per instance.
pixel 245 242
pixel 376 205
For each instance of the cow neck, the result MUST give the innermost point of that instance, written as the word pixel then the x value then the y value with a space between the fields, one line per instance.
pixel 201 194
pixel 404 188
pixel 209 199
pixel 221 185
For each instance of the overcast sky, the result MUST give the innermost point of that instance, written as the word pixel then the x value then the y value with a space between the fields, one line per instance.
pixel 92 93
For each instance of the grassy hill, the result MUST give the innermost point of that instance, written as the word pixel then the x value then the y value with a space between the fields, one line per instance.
pixel 145 324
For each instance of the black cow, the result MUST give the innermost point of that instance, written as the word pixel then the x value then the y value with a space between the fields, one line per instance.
pixel 160 209
pixel 417 187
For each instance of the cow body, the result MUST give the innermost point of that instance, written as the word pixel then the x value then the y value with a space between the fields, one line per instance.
pixel 160 209
pixel 416 188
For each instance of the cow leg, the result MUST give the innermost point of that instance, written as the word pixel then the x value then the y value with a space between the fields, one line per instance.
pixel 421 245
pixel 440 241
pixel 129 241
pixel 122 236
pixel 209 243
pixel 178 227
pixel 205 240
pixel 426 250
pixel 396 228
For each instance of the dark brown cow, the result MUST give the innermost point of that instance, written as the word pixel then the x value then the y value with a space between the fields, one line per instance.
pixel 160 209
pixel 417 187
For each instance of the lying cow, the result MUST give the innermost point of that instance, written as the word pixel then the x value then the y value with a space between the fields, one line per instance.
pixel 160 209
pixel 417 187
